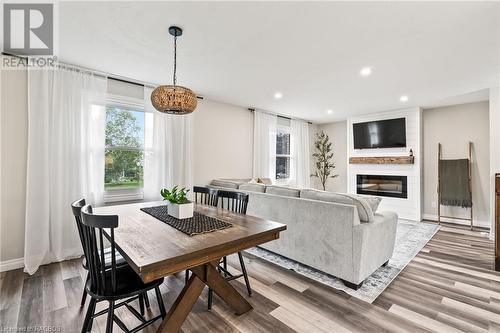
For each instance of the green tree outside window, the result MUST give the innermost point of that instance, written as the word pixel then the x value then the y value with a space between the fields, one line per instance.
pixel 124 154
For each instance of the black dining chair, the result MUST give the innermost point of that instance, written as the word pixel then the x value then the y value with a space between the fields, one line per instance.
pixel 206 196
pixel 76 207
pixel 236 202
pixel 111 283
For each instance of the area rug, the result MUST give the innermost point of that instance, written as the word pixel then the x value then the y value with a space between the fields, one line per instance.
pixel 411 237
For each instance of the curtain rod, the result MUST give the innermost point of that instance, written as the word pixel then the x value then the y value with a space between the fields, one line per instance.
pixel 106 75
pixel 93 71
pixel 279 115
pixel 99 73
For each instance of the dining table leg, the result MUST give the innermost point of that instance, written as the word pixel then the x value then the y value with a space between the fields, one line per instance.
pixel 212 278
pixel 203 275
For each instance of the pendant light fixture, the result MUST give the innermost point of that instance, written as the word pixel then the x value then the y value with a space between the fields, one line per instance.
pixel 174 99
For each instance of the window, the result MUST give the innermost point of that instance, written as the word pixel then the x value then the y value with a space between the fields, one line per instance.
pixel 283 156
pixel 124 152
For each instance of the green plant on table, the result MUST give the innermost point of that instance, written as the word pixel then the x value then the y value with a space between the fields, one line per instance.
pixel 175 195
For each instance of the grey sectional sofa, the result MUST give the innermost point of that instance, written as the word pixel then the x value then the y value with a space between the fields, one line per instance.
pixel 335 233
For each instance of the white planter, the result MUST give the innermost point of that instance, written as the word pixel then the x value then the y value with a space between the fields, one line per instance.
pixel 183 211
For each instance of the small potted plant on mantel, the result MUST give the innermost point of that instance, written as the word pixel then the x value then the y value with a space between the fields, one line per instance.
pixel 179 206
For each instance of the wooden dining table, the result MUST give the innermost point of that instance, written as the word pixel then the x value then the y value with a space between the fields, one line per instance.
pixel 155 250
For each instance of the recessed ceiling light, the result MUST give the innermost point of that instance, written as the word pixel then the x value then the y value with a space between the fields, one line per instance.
pixel 278 95
pixel 365 71
pixel 329 111
pixel 403 98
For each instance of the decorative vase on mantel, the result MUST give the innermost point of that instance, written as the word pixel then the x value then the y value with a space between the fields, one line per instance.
pixel 178 204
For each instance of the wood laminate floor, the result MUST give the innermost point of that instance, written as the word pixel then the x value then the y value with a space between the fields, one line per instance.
pixel 449 287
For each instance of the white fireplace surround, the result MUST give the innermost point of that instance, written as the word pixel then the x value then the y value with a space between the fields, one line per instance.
pixel 406 208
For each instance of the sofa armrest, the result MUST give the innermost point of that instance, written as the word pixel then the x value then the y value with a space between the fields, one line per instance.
pixel 373 244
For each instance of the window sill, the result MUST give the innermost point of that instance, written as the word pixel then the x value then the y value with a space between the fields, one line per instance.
pixel 119 196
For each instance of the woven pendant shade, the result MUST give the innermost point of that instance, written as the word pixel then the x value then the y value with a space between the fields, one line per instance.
pixel 174 99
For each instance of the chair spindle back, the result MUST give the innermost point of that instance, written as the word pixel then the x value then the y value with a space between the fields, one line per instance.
pixel 205 195
pixel 234 201
pixel 76 207
pixel 100 277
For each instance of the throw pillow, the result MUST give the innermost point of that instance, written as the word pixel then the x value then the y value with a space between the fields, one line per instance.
pixel 374 202
pixel 266 181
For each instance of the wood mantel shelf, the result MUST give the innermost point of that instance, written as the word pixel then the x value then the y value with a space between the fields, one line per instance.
pixel 383 160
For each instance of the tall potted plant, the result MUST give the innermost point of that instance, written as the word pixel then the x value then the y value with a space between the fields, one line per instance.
pixel 323 158
pixel 179 206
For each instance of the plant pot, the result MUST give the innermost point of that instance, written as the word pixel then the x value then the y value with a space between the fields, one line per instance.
pixel 183 211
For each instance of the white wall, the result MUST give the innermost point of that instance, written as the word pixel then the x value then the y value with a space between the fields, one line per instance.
pixel 494 115
pixel 406 208
pixel 337 132
pixel 313 129
pixel 223 141
pixel 453 127
pixel 14 135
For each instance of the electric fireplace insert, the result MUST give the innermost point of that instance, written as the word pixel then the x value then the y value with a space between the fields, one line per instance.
pixel 381 185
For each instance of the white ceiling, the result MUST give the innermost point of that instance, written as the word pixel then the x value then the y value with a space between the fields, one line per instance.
pixel 242 52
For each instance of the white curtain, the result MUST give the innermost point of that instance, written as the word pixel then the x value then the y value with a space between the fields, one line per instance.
pixel 264 145
pixel 169 150
pixel 65 161
pixel 300 153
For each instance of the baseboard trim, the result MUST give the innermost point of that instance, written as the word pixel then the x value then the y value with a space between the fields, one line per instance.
pixel 477 223
pixel 11 264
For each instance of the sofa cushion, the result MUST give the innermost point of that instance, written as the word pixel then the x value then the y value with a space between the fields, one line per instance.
pixel 266 181
pixel 224 183
pixel 365 212
pixel 253 187
pixel 374 202
pixel 283 191
pixel 237 180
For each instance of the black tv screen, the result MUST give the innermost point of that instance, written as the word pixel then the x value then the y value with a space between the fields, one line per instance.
pixel 388 133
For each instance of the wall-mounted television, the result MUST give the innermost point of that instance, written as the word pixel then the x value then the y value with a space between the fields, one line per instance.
pixel 389 133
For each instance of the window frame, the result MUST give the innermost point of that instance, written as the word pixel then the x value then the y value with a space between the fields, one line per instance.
pixel 130 194
pixel 287 130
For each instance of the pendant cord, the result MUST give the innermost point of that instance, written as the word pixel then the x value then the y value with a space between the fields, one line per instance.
pixel 175 60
